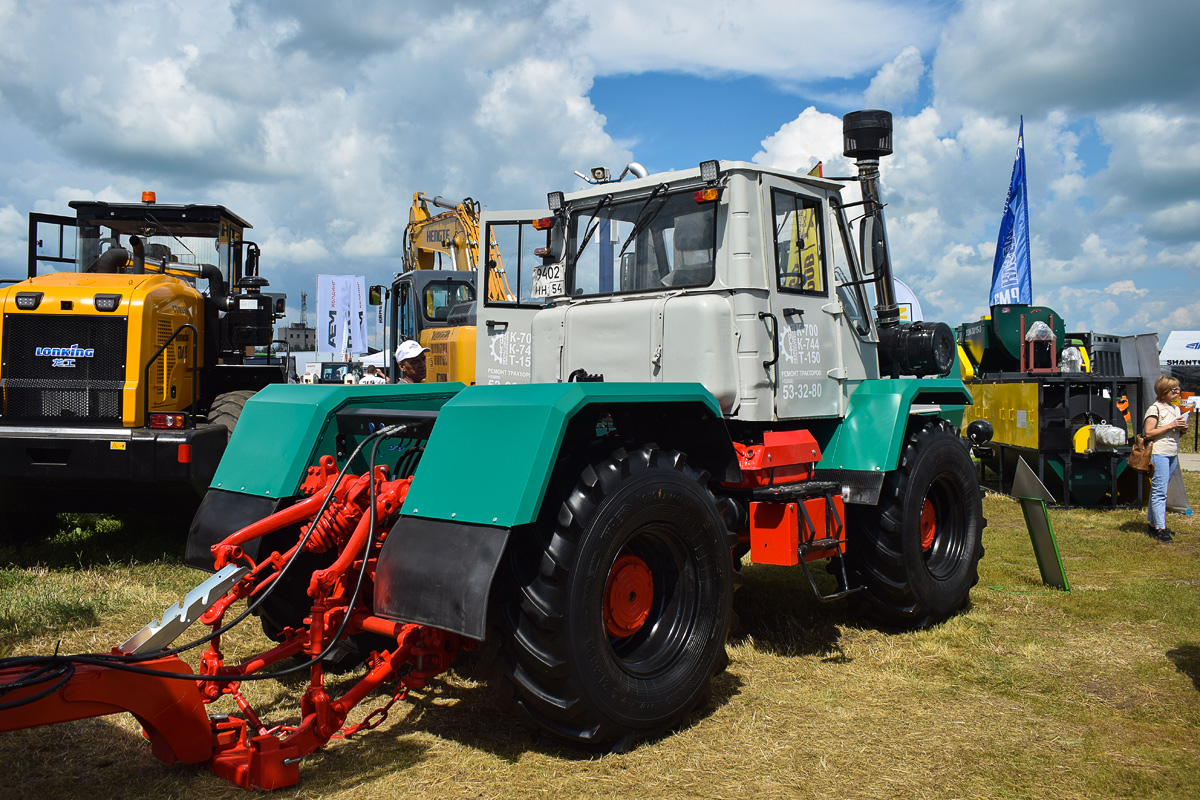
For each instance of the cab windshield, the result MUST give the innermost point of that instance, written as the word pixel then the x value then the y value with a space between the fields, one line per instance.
pixel 658 241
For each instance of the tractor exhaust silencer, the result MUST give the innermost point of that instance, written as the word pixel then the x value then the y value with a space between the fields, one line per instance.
pixel 867 137
pixel 920 348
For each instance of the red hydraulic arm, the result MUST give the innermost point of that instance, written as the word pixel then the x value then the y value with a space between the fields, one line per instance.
pixel 171 701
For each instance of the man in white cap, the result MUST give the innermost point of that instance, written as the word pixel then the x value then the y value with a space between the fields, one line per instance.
pixel 410 356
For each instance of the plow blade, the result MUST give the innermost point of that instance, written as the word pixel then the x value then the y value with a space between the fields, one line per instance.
pixel 171 710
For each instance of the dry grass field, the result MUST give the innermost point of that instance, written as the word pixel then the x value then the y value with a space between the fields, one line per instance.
pixel 1031 693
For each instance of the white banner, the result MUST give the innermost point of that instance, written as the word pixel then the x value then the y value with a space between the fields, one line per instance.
pixel 356 295
pixel 342 313
pixel 331 313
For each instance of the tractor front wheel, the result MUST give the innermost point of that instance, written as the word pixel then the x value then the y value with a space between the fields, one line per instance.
pixel 617 619
pixel 917 553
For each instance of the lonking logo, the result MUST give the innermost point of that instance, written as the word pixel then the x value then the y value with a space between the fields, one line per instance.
pixel 74 351
pixel 64 356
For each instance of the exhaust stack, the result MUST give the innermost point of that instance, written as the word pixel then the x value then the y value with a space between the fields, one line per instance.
pixel 867 137
pixel 911 348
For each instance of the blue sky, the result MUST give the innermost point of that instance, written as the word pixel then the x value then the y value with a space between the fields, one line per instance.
pixel 316 120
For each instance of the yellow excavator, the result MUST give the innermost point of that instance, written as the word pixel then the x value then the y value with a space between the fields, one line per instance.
pixel 433 299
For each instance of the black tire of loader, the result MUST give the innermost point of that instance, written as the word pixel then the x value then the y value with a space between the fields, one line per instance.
pixel 564 666
pixel 904 583
pixel 227 408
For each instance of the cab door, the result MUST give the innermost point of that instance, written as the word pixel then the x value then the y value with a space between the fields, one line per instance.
pixel 517 285
pixel 805 316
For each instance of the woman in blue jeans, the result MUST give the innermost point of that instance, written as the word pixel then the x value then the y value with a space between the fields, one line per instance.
pixel 1162 425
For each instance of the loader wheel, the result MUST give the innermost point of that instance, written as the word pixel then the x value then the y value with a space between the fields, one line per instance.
pixel 616 621
pixel 227 408
pixel 917 553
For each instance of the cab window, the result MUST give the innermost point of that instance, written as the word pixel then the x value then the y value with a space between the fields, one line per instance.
pixel 512 263
pixel 799 251
pixel 442 296
pixel 642 244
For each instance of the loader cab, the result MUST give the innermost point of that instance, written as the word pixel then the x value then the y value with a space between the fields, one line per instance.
pixel 204 246
pixel 733 276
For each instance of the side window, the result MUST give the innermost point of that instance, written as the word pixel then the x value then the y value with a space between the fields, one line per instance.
pixel 407 317
pixel 799 251
pixel 442 296
pixel 512 265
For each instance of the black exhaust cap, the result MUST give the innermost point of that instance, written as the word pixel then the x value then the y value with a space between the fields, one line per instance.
pixel 867 134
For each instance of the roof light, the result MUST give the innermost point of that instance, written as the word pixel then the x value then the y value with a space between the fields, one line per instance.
pixel 710 171
pixel 707 195
pixel 543 223
pixel 555 201
pixel 601 174
pixel 107 302
pixel 167 421
pixel 28 301
pixel 149 198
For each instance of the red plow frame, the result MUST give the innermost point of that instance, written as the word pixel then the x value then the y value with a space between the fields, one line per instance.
pixel 170 700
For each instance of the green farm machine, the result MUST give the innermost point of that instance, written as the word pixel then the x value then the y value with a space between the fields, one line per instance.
pixel 1064 413
pixel 693 370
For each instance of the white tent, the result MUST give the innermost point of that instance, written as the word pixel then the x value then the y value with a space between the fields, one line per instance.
pixel 379 359
pixel 1182 349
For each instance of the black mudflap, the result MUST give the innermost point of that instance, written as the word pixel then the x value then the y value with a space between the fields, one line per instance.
pixel 438 573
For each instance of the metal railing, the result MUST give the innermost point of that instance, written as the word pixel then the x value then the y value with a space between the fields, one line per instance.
pixel 195 375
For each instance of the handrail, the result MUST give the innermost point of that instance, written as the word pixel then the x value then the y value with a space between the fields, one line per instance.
pixel 195 375
pixel 286 355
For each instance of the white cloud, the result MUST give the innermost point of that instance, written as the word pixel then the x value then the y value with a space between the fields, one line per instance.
pixel 13 230
pixel 897 81
pixel 789 40
pixel 811 137
pixel 1031 56
pixel 317 119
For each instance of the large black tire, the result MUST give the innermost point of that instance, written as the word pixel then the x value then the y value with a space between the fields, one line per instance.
pixel 226 409
pixel 615 623
pixel 917 553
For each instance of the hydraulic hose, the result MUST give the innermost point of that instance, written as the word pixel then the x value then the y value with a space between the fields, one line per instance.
pixel 63 667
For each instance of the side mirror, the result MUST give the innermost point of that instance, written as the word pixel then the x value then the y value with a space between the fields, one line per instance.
pixel 375 295
pixel 870 245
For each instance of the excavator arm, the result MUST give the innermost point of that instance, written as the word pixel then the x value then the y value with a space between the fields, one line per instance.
pixel 453 235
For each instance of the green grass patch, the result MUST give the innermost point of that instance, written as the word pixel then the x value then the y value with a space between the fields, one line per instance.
pixel 1030 693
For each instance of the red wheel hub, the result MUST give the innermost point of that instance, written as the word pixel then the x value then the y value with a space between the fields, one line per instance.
pixel 627 596
pixel 928 526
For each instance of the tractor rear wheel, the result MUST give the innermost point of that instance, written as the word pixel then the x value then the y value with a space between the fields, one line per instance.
pixel 227 408
pixel 917 553
pixel 616 620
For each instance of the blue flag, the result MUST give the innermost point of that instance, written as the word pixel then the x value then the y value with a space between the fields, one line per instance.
pixel 1012 281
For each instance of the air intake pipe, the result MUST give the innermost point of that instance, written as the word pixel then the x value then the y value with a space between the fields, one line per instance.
pixel 867 137
pixel 139 255
pixel 110 262
pixel 916 348
pixel 218 293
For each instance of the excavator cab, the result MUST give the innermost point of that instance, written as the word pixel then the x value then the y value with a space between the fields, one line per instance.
pixel 437 308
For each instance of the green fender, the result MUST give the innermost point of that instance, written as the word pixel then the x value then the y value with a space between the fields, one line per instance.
pixel 490 455
pixel 284 429
pixel 872 434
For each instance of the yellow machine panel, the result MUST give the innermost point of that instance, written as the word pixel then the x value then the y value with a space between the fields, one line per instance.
pixel 165 304
pixel 153 307
pixel 451 354
pixel 1012 408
